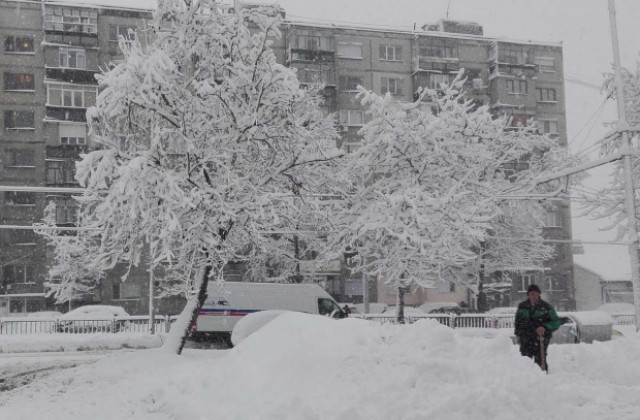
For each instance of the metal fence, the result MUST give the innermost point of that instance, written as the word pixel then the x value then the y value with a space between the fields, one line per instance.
pixel 132 324
pixel 450 320
pixel 140 324
pixel 474 320
pixel 623 319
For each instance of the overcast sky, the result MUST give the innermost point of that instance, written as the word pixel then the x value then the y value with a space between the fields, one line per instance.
pixel 582 26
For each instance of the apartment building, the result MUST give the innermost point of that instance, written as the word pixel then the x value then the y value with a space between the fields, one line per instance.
pixel 522 79
pixel 52 51
pixel 51 54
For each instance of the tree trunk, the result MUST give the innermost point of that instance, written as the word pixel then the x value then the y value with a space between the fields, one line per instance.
pixel 482 297
pixel 400 305
pixel 182 327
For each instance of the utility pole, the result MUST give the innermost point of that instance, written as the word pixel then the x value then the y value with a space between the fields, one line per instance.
pixel 623 129
pixel 152 323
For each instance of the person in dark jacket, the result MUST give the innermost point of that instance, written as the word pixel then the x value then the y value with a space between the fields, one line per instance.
pixel 535 318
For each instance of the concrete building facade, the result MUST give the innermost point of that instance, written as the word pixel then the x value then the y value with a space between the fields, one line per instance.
pixel 52 52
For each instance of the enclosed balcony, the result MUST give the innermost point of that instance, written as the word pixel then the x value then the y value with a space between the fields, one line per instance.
pixel 310 45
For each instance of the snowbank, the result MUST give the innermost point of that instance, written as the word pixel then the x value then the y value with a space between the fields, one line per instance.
pixel 311 368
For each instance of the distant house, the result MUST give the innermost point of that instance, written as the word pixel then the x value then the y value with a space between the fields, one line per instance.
pixel 593 289
pixel 617 291
pixel 588 288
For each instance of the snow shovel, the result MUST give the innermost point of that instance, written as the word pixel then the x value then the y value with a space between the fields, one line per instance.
pixel 543 359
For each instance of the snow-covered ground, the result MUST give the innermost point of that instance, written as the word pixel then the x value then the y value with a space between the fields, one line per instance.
pixel 309 367
pixel 77 342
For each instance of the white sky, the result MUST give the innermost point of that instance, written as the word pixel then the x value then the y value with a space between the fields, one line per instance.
pixel 581 25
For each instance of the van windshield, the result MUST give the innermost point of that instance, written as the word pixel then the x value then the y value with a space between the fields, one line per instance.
pixel 328 307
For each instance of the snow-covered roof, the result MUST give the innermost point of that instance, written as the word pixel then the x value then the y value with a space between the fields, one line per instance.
pixel 605 260
pixel 138 5
pixel 381 28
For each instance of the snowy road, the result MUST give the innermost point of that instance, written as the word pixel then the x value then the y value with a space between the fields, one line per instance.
pixel 18 369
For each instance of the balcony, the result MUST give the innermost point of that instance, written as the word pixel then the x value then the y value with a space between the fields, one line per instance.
pixel 71 75
pixel 66 114
pixel 311 56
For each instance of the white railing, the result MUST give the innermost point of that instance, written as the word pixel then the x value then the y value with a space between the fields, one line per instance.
pixel 450 320
pixel 474 320
pixel 131 324
pixel 623 319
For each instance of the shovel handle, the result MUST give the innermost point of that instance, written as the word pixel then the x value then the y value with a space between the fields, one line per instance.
pixel 543 361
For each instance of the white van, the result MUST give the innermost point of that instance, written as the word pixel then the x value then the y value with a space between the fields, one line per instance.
pixel 227 303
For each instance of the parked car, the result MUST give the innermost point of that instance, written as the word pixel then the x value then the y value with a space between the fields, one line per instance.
pixel 94 318
pixel 409 311
pixel 567 333
pixel 441 308
pixel 375 308
pixel 45 314
pixel 622 313
pixel 590 325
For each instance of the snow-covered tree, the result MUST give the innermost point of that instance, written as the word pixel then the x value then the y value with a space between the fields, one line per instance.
pixel 432 193
pixel 74 274
pixel 209 147
pixel 608 203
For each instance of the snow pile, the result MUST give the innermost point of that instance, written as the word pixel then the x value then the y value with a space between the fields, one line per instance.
pixel 76 342
pixel 308 367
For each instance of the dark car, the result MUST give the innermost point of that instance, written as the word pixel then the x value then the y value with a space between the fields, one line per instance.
pixel 94 318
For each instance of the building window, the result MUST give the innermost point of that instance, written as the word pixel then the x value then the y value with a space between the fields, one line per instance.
pixel 19 81
pixel 312 40
pixel 73 141
pixel 438 48
pixel 72 59
pixel 66 211
pixel 546 95
pixel 553 219
pixel 20 158
pixel 20 198
pixel 18 274
pixel 22 305
pixel 126 290
pixel 555 283
pixel 351 117
pixel 524 281
pixel 70 19
pixel 545 64
pixel 315 76
pixel 390 52
pixel 350 83
pixel 124 31
pixel 71 96
pixel 87 41
pixel 18 120
pixel 391 85
pixel 513 55
pixel 73 134
pixel 61 172
pixel 23 237
pixel 446 287
pixel 517 86
pixel 439 81
pixel 558 251
pixel 350 50
pixel 18 44
pixel 549 126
